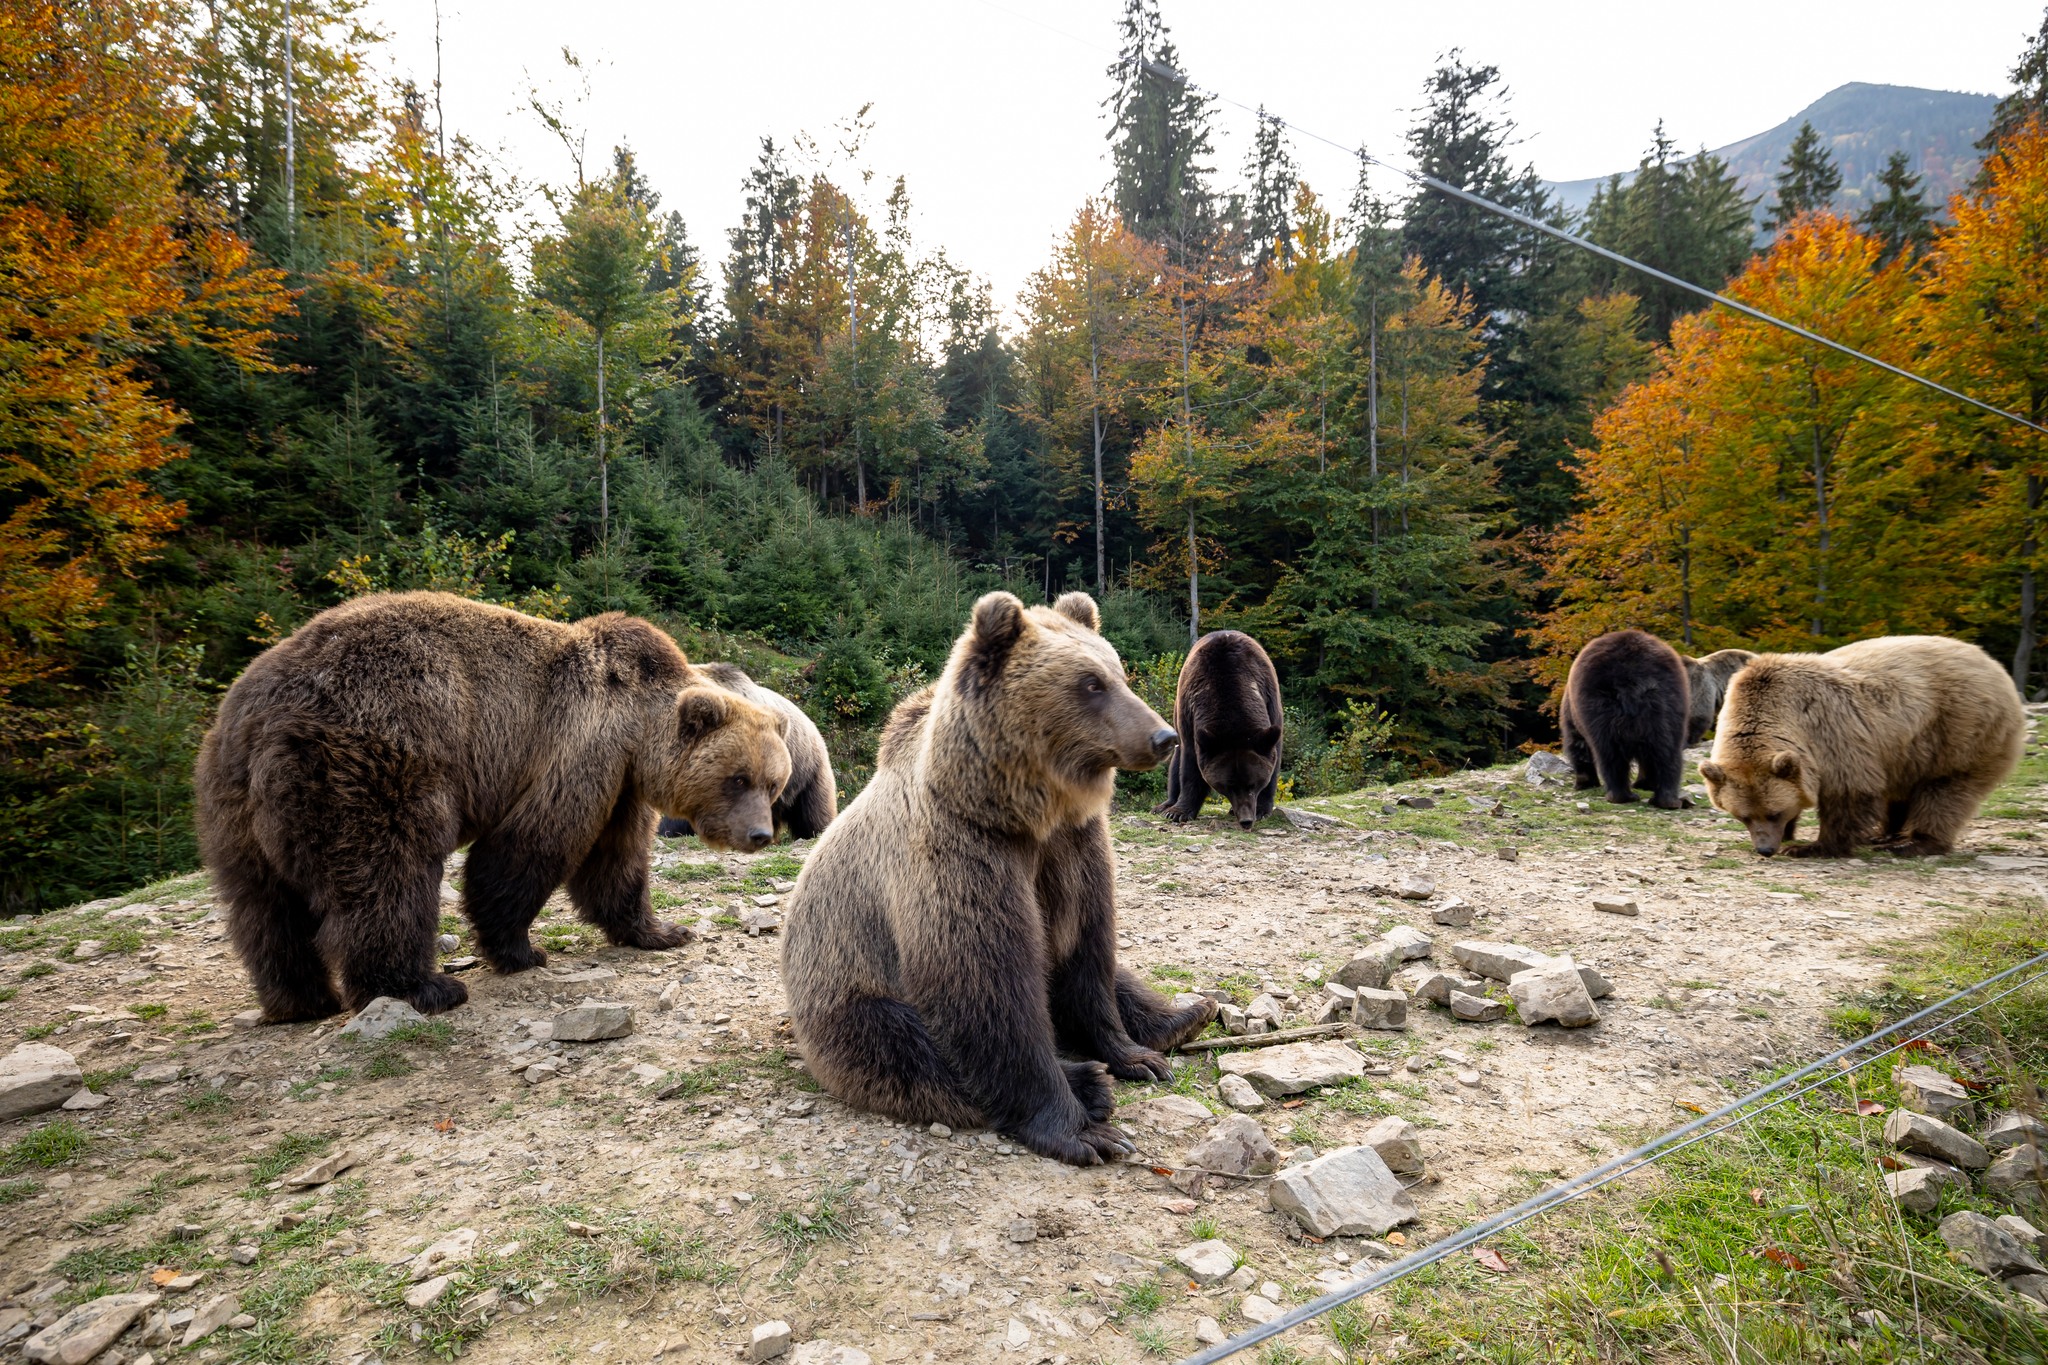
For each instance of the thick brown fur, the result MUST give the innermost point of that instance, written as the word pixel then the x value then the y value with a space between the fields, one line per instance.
pixel 954 932
pixel 348 761
pixel 1227 709
pixel 1625 703
pixel 1897 740
pixel 1707 683
pixel 811 799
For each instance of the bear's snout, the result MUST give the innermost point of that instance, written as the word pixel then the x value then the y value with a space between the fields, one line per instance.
pixel 1163 740
pixel 758 838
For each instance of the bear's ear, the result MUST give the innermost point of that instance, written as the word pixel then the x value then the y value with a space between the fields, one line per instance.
pixel 997 626
pixel 1079 607
pixel 1784 765
pixel 1712 771
pixel 699 711
pixel 1266 738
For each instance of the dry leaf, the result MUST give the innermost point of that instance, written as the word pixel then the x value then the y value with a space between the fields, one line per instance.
pixel 1397 1239
pixel 446 1125
pixel 1756 1197
pixel 163 1274
pixel 1783 1258
pixel 1489 1259
pixel 1868 1107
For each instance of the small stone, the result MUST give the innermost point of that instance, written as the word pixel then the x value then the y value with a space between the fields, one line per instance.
pixel 210 1319
pixel 1416 886
pixel 161 1073
pixel 244 1253
pixel 1240 1094
pixel 671 996
pixel 452 1249
pixel 1918 1189
pixel 1259 1308
pixel 1468 1078
pixel 770 1339
pixel 1476 1009
pixel 1978 1242
pixel 2013 1129
pixel 1597 986
pixel 1398 1143
pixel 1236 1146
pixel 1911 1132
pixel 1207 1262
pixel 247 1019
pixel 1209 1332
pixel 940 1130
pixel 1508 853
pixel 1349 1193
pixel 1380 1009
pixel 1545 769
pixel 1410 943
pixel 761 920
pixel 428 1292
pixel 1232 1019
pixel 1935 1092
pixel 826 1353
pixel 86 1330
pixel 1616 905
pixel 35 1077
pixel 1453 912
pixel 2035 1287
pixel 86 1100
pixel 1017 1336
pixel 184 1284
pixel 381 1018
pixel 593 1021
pixel 646 1073
pixel 1294 1067
pixel 2017 1177
pixel 1373 965
pixel 1167 1113
pixel 546 1069
pixel 1267 1008
pixel 2028 1235
pixel 1023 1230
pixel 1553 992
pixel 1428 983
pixel 1499 961
pixel 323 1170
pixel 446 944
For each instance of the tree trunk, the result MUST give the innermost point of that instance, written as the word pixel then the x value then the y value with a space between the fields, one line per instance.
pixel 1372 431
pixel 2023 651
pixel 1685 585
pixel 1187 428
pixel 604 473
pixel 1820 502
pixel 1095 416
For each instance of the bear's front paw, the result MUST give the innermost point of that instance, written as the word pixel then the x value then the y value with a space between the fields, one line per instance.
pixel 656 936
pixel 1141 1065
pixel 514 957
pixel 438 994
pixel 1090 1083
pixel 1814 851
pixel 1622 798
pixel 1178 815
pixel 1091 1146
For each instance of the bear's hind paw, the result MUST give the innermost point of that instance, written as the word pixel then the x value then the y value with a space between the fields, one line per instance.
pixel 1091 1146
pixel 655 936
pixel 438 994
pixel 507 960
pixel 1142 1065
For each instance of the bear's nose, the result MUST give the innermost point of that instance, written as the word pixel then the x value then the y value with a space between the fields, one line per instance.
pixel 1246 824
pixel 758 838
pixel 1163 739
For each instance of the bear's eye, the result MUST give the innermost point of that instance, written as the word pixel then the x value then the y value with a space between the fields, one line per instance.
pixel 1093 685
pixel 736 784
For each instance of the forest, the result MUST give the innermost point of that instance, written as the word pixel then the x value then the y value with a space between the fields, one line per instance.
pixel 269 345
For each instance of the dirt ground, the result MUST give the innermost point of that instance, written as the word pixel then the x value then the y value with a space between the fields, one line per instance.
pixel 614 1224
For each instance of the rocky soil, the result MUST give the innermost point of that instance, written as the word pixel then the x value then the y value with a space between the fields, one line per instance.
pixel 682 1191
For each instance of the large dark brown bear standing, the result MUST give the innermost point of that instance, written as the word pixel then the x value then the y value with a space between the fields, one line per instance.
pixel 955 930
pixel 1627 702
pixel 1897 740
pixel 1227 709
pixel 350 760
pixel 811 799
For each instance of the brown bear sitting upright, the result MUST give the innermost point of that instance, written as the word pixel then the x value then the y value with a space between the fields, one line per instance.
pixel 348 761
pixel 811 799
pixel 1898 741
pixel 955 930
pixel 1227 709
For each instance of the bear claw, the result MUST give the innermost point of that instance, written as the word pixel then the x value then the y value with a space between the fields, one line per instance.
pixel 1144 1065
pixel 655 936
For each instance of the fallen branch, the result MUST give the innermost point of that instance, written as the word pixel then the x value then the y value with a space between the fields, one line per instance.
pixel 1285 1035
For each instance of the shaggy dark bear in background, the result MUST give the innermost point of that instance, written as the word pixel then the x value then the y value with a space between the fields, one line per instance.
pixel 1708 680
pixel 1627 701
pixel 1227 709
pixel 954 931
pixel 348 761
pixel 811 799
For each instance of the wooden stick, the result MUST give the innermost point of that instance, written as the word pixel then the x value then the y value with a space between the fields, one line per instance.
pixel 1285 1035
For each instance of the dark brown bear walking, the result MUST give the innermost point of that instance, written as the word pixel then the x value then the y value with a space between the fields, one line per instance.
pixel 955 930
pixel 350 760
pixel 1227 709
pixel 811 799
pixel 1626 702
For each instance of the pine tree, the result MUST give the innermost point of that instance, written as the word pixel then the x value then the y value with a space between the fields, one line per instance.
pixel 1159 135
pixel 1687 218
pixel 2028 101
pixel 1809 182
pixel 1268 230
pixel 1901 220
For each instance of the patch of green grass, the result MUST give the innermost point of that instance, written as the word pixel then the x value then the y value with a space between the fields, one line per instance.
pixel 14 1191
pixel 694 872
pixel 1154 1341
pixel 37 1032
pixel 53 1144
pixel 1170 971
pixel 333 1075
pixel 433 1034
pixel 566 938
pixel 100 1080
pixel 1205 1229
pixel 1241 985
pixel 1304 1134
pixel 208 1102
pixel 151 1011
pixel 1143 1299
pixel 36 969
pixel 703 1080
pixel 387 1064
pixel 274 1300
pixel 7 993
pixel 729 921
pixel 824 1217
pixel 197 1021
pixel 291 1150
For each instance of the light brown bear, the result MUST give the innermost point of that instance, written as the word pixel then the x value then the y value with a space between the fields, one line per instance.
pixel 954 933
pixel 348 761
pixel 1897 740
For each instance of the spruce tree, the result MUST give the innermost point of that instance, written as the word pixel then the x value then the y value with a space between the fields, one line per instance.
pixel 1810 180
pixel 1268 228
pixel 2029 99
pixel 1686 218
pixel 1159 135
pixel 1901 220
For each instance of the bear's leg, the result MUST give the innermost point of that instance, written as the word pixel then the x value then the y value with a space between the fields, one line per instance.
pixel 272 928
pixel 1937 813
pixel 876 1053
pixel 507 879
pixel 1090 1083
pixel 1663 770
pixel 610 888
pixel 1844 819
pixel 1150 1017
pixel 1270 795
pixel 379 933
pixel 807 815
pixel 1187 787
pixel 1612 759
pixel 1577 751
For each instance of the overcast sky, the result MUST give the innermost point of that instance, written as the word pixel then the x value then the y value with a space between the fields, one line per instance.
pixel 992 111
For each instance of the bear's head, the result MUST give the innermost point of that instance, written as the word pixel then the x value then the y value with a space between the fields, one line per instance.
pixel 1044 698
pixel 1239 774
pixel 1707 680
pixel 1764 791
pixel 717 761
